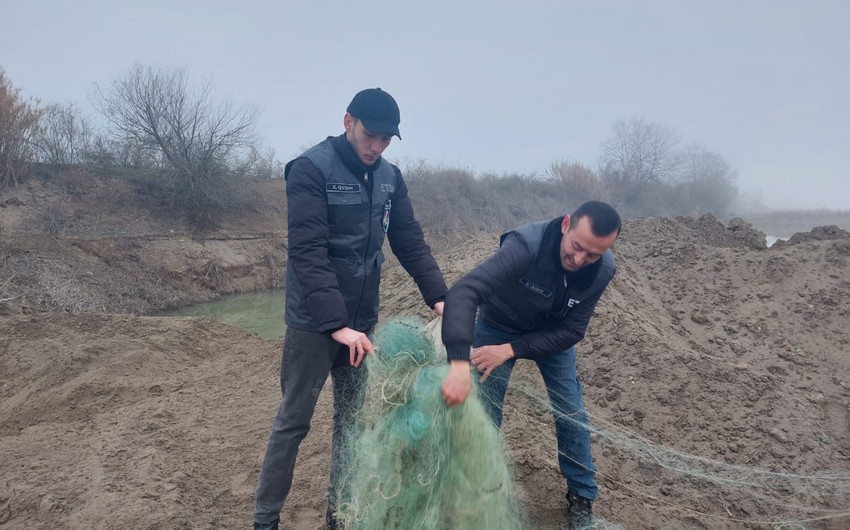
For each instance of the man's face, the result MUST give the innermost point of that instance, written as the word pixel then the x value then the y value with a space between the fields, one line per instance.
pixel 580 247
pixel 368 146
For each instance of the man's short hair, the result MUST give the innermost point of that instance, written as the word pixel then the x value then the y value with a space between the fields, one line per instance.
pixel 604 219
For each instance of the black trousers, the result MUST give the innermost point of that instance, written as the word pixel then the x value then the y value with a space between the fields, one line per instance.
pixel 308 358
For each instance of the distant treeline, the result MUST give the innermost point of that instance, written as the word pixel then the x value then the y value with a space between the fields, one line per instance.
pixel 450 203
pixel 179 144
pixel 197 147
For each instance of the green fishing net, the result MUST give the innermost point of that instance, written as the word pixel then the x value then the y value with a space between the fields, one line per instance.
pixel 414 463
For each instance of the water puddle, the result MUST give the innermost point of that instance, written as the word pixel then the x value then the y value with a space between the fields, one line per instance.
pixel 260 312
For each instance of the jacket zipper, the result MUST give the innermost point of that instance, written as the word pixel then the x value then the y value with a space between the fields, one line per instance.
pixel 365 256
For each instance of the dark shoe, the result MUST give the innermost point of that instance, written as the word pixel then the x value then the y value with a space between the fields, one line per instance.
pixel 271 526
pixel 579 511
pixel 330 519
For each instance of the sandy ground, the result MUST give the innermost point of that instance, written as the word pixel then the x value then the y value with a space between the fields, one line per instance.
pixel 717 372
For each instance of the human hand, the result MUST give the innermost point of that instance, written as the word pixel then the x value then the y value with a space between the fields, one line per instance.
pixel 358 344
pixel 487 358
pixel 457 383
pixel 438 308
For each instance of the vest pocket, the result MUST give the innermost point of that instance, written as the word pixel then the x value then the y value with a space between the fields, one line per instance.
pixel 344 198
pixel 349 277
pixel 536 288
pixel 347 214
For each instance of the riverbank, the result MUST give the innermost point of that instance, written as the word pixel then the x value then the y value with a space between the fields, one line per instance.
pixel 105 247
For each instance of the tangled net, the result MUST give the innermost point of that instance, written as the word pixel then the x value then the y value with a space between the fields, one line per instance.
pixel 413 462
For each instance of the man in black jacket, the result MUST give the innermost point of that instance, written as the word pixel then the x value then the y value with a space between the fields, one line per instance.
pixel 343 198
pixel 536 295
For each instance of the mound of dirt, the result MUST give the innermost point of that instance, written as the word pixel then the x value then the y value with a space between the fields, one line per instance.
pixel 707 344
pixel 818 233
pixel 111 421
pixel 715 372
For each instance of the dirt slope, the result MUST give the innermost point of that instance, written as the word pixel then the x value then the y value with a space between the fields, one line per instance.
pixel 90 242
pixel 714 346
pixel 707 344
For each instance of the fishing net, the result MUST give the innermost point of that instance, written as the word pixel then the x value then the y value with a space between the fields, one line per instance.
pixel 414 462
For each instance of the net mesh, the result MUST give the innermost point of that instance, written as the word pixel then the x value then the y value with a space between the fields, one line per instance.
pixel 415 463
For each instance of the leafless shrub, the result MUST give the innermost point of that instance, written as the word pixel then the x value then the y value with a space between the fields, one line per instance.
pixel 19 122
pixel 64 136
pixel 105 151
pixel 54 219
pixel 580 181
pixel 213 276
pixel 451 203
pixel 275 268
pixel 263 165
pixel 202 220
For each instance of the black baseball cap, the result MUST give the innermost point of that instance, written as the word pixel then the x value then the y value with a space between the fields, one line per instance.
pixel 377 110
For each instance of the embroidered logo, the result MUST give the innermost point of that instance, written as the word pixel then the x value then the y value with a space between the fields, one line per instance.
pixel 385 221
pixel 573 302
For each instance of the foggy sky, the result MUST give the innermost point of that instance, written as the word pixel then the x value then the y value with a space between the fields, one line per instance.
pixel 486 85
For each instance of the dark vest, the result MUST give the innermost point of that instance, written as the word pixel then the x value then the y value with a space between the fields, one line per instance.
pixel 540 296
pixel 357 224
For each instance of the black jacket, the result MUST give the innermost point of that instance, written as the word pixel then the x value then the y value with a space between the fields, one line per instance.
pixel 523 289
pixel 338 211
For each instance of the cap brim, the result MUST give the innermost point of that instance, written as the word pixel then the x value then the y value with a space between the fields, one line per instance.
pixel 377 127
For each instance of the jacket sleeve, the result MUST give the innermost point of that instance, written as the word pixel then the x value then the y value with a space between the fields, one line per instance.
pixel 408 244
pixel 307 219
pixel 462 301
pixel 559 335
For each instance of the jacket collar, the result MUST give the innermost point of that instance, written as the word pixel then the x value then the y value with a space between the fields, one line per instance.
pixel 551 246
pixel 349 157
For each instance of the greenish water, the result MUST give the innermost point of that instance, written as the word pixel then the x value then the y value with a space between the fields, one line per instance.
pixel 259 312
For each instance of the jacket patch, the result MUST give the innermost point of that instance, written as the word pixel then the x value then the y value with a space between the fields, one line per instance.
pixel 531 286
pixel 336 187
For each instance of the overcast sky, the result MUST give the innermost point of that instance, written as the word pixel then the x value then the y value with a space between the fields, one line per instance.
pixel 502 86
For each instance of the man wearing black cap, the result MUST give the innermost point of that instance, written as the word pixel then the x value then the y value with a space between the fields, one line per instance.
pixel 343 198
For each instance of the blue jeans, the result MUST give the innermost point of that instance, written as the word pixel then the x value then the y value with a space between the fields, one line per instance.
pixel 564 390
pixel 307 359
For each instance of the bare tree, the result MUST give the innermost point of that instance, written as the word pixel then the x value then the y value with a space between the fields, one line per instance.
pixel 259 164
pixel 105 150
pixel 707 181
pixel 65 135
pixel 19 122
pixel 637 156
pixel 187 131
pixel 580 181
